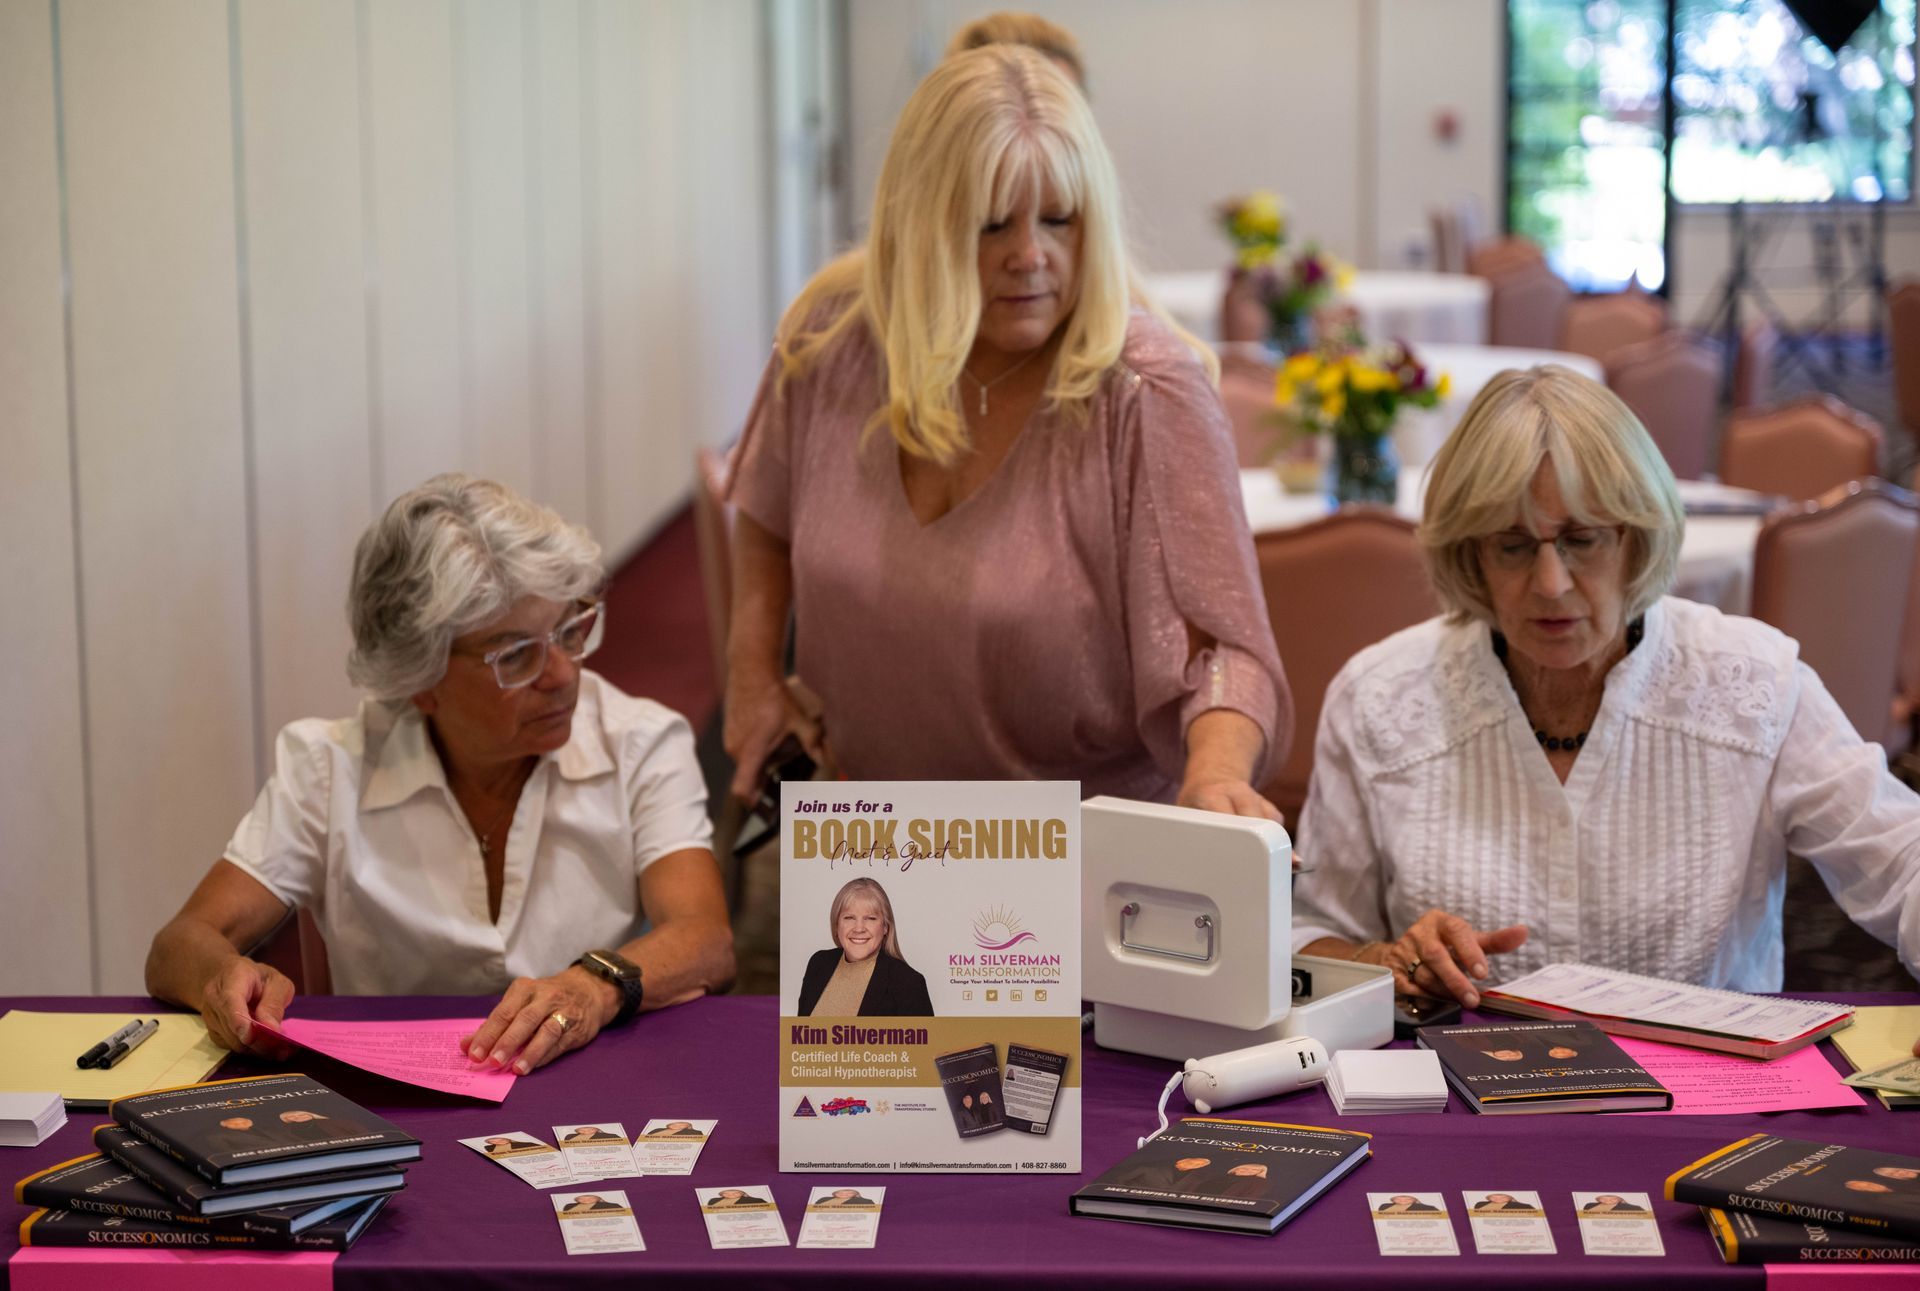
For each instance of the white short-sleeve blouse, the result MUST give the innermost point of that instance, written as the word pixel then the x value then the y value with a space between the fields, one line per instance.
pixel 1714 753
pixel 357 824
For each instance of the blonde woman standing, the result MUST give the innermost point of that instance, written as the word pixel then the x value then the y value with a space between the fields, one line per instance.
pixel 996 490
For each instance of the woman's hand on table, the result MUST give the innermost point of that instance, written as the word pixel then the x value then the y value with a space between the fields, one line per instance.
pixel 524 1029
pixel 242 990
pixel 1442 954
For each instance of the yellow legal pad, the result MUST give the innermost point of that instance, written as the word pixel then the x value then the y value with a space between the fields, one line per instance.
pixel 1881 1034
pixel 37 1052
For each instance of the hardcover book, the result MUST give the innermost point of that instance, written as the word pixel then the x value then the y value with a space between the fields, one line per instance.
pixel 85 1228
pixel 928 930
pixel 1531 1067
pixel 1856 1188
pixel 1746 1238
pixel 98 1184
pixel 263 1127
pixel 195 1196
pixel 1240 1176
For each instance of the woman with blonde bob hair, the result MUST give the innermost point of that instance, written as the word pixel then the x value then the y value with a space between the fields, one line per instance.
pixel 997 489
pixel 863 974
pixel 1570 765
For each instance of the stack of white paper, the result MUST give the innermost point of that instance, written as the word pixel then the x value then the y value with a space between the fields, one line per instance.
pixel 1376 1082
pixel 27 1119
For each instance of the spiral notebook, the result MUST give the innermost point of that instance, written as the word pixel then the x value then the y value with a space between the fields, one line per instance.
pixel 1756 1026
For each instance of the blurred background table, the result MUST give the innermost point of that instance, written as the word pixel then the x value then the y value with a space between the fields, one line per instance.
pixel 1422 308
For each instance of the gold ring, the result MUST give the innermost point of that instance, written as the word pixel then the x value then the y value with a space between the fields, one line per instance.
pixel 1414 967
pixel 565 1023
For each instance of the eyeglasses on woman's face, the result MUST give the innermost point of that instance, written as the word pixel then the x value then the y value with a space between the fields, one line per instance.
pixel 520 663
pixel 1515 550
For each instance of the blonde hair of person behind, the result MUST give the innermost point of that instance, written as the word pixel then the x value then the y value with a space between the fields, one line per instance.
pixel 983 129
pixel 1608 468
pixel 1029 29
pixel 865 890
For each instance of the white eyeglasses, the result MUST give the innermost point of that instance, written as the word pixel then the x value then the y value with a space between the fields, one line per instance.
pixel 520 663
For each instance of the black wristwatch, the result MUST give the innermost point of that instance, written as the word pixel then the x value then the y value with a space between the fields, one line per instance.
pixel 623 973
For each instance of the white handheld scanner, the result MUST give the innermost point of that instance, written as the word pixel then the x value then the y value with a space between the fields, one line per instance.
pixel 1247 1075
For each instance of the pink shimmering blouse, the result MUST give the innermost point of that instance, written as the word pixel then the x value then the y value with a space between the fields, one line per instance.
pixel 1039 629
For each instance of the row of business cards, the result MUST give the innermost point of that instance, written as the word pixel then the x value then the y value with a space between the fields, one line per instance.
pixel 601 1223
pixel 597 1150
pixel 1512 1223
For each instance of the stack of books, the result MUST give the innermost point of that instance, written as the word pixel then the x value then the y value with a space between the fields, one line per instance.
pixel 1772 1200
pixel 1377 1082
pixel 263 1163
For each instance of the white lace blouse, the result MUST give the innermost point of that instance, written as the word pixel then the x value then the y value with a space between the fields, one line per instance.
pixel 1715 752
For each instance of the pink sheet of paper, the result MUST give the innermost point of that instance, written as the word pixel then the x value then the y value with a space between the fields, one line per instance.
pixel 1846 1277
pixel 1705 1083
pixel 426 1053
pixel 79 1268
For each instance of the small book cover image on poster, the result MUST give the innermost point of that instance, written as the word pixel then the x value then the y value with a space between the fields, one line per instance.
pixel 1031 1083
pixel 971 1078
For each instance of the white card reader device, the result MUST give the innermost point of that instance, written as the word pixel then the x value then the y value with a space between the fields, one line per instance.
pixel 1186 928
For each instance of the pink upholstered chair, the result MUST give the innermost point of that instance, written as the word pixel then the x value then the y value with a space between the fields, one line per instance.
pixel 1799 450
pixel 1836 576
pixel 1596 326
pixel 1497 255
pixel 1246 388
pixel 1904 731
pixel 1527 307
pixel 1243 316
pixel 1903 312
pixel 1334 587
pixel 1672 383
pixel 713 531
pixel 1753 364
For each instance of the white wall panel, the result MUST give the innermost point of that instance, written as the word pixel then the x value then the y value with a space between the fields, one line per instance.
pixel 420 412
pixel 556 235
pixel 44 922
pixel 156 371
pixel 307 324
pixel 491 129
pixel 642 446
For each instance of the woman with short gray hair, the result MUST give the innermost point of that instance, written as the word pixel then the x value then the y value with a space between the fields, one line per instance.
pixel 495 818
pixel 1572 765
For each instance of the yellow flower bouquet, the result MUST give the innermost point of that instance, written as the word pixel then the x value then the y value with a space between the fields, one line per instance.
pixel 1353 395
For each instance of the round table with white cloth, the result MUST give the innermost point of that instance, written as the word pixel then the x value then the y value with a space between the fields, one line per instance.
pixel 1420 308
pixel 1716 553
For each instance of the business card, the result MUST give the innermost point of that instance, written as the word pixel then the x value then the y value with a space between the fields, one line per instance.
pixel 1412 1223
pixel 741 1215
pixel 596 1223
pixel 596 1150
pixel 1508 1223
pixel 842 1217
pixel 1617 1223
pixel 531 1160
pixel 670 1147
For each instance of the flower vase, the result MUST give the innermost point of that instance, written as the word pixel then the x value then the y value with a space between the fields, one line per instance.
pixel 1289 333
pixel 1363 466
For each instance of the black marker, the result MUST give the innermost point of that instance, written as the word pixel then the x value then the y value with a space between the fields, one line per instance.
pixel 126 1047
pixel 99 1051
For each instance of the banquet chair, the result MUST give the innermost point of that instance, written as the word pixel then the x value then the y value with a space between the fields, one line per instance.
pixel 1799 450
pixel 1672 383
pixel 1243 316
pixel 713 532
pixel 1753 364
pixel 1497 255
pixel 1903 313
pixel 1903 733
pixel 1335 586
pixel 1526 307
pixel 1836 575
pixel 1246 388
pixel 1449 240
pixel 296 948
pixel 1596 326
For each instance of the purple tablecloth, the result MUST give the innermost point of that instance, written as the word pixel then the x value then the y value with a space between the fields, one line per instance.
pixel 463 1222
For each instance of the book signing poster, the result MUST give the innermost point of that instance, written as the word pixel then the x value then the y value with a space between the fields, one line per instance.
pixel 930 976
